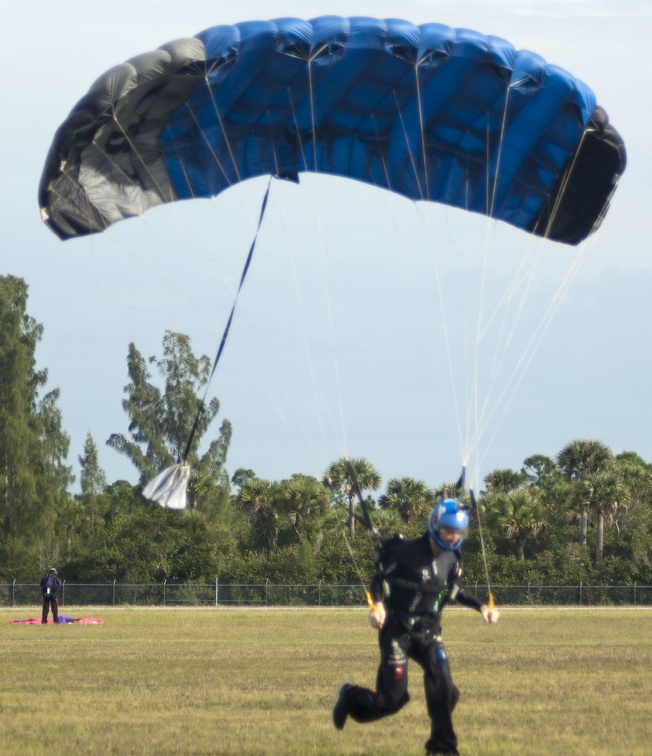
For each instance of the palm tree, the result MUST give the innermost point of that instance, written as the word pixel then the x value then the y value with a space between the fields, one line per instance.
pixel 503 481
pixel 339 476
pixel 577 460
pixel 256 499
pixel 447 491
pixel 388 521
pixel 605 491
pixel 519 514
pixel 303 497
pixel 410 498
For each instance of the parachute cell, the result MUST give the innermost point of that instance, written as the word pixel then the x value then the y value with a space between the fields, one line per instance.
pixel 430 112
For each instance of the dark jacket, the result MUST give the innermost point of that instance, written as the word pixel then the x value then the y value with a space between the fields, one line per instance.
pixel 52 582
pixel 416 584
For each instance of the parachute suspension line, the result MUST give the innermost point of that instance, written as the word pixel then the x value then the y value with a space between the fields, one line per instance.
pixel 472 342
pixel 371 529
pixel 567 176
pixel 478 405
pixel 565 182
pixel 491 188
pixel 363 584
pixel 322 251
pixel 134 149
pixel 415 168
pixel 311 94
pixel 298 133
pixel 490 603
pixel 182 163
pixel 216 110
pixel 465 433
pixel 162 242
pixel 426 221
pixel 529 351
pixel 447 338
pixel 331 319
pixel 494 190
pixel 304 331
pixel 341 406
pixel 438 278
pixel 227 328
pixel 388 178
pixel 421 126
pixel 461 487
pixel 522 280
pixel 128 180
pixel 600 216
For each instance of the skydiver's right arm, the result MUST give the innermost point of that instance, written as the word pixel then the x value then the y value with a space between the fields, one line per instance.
pixel 377 615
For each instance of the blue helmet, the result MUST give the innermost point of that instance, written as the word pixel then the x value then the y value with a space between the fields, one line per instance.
pixel 448 513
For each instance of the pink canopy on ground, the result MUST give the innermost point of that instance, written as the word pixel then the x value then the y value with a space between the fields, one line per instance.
pixel 63 620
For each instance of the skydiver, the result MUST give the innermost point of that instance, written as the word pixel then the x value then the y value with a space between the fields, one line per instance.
pixel 50 587
pixel 414 581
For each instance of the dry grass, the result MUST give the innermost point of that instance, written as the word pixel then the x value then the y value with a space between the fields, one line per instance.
pixel 231 681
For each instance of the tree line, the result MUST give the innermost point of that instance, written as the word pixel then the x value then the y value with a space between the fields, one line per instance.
pixel 584 515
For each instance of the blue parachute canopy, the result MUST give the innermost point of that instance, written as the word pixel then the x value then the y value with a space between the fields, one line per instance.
pixel 430 112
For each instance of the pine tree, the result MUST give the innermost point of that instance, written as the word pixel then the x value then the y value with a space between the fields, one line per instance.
pixel 33 446
pixel 93 483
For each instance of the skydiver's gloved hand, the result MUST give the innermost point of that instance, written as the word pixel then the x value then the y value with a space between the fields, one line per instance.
pixel 489 615
pixel 377 615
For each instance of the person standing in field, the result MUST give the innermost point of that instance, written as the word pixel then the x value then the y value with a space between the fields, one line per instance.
pixel 414 581
pixel 50 587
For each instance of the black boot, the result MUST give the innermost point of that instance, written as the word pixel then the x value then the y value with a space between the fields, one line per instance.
pixel 341 706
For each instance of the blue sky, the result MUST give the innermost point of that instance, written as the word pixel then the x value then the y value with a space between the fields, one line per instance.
pixel 337 345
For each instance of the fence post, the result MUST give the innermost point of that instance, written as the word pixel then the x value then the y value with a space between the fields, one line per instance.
pixel 165 580
pixel 13 593
pixel 216 591
pixel 114 592
pixel 635 593
pixel 319 593
pixel 580 593
pixel 266 584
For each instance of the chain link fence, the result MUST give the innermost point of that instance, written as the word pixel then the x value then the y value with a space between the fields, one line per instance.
pixel 317 594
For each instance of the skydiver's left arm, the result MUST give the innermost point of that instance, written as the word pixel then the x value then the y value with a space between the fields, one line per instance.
pixel 462 595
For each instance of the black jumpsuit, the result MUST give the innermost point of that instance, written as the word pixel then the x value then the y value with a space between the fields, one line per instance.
pixel 415 585
pixel 50 598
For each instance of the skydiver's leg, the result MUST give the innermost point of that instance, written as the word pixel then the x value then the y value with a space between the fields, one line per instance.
pixel 55 610
pixel 441 697
pixel 364 705
pixel 44 611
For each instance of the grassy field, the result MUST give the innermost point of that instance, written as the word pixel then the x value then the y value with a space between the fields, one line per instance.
pixel 262 681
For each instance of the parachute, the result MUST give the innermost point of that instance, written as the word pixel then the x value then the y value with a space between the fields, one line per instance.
pixel 430 112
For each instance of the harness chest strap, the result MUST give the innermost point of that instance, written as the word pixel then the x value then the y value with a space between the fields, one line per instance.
pixel 425 586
